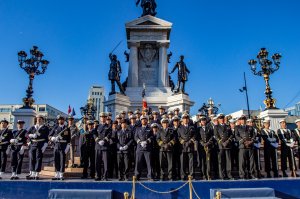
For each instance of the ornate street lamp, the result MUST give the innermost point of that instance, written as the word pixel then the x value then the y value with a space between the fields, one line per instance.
pixel 266 70
pixel 89 110
pixel 35 65
pixel 209 108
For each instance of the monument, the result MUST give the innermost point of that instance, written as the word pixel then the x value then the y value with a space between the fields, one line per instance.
pixel 148 40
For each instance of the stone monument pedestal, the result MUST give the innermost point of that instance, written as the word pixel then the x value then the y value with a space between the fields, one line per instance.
pixel 275 115
pixel 181 101
pixel 27 115
pixel 117 103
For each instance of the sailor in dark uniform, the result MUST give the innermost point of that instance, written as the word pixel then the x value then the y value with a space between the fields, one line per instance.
pixel 206 148
pixel 161 112
pixel 18 145
pixel 271 141
pixel 166 141
pixel 177 149
pixel 60 136
pixel 124 140
pixel 5 136
pixel 103 140
pixel 287 139
pixel 38 142
pixel 256 148
pixel 74 140
pixel 245 135
pixel 234 147
pixel 88 150
pixel 187 139
pixel 143 138
pixel 297 136
pixel 155 118
pixel 155 163
pixel 224 138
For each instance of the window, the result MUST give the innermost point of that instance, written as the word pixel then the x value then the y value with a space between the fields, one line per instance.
pixel 5 110
pixel 42 109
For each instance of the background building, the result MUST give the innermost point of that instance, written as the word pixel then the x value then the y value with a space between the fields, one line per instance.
pixel 294 110
pixel 96 93
pixel 49 112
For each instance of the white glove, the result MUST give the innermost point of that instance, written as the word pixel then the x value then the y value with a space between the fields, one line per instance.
pixel 67 148
pixel 143 144
pixel 101 143
pixel 125 147
pixel 12 141
pixel 22 150
pixel 34 136
pixel 121 148
pixel 31 135
pixel 53 139
pixel 44 147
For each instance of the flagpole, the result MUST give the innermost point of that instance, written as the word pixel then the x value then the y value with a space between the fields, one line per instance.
pixel 249 115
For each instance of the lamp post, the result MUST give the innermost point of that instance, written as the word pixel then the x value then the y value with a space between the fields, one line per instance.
pixel 267 68
pixel 34 65
pixel 209 108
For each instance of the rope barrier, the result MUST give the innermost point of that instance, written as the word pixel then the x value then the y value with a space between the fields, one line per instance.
pixel 162 192
pixel 191 189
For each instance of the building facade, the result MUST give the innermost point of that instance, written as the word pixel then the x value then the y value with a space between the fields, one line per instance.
pixel 96 93
pixel 49 112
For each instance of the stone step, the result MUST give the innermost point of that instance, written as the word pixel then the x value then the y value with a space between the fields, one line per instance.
pixel 66 174
pixel 69 170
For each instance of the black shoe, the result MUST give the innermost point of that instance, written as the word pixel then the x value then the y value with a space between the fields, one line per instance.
pixel 12 177
pixel 104 179
pixel 62 179
pixel 17 178
pixel 97 179
pixel 29 177
pixel 54 178
pixel 297 175
pixel 284 174
pixel 36 178
pixel 83 177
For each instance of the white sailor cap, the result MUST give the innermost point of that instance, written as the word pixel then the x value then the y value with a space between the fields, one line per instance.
pixel 298 120
pixel 282 120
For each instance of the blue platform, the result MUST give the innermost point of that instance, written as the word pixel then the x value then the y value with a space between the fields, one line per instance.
pixel 284 188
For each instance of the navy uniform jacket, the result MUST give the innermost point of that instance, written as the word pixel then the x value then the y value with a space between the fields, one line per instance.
pixel 269 136
pixel 124 137
pixel 297 136
pixel 103 133
pixel 205 136
pixel 224 136
pixel 64 134
pixel 144 134
pixel 88 140
pixel 5 136
pixel 42 136
pixel 245 136
pixel 187 138
pixel 285 136
pixel 166 139
pixel 20 135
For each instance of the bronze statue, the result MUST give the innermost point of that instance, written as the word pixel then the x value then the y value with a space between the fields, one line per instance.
pixel 182 74
pixel 114 74
pixel 149 7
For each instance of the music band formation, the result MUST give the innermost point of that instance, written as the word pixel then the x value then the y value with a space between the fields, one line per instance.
pixel 169 145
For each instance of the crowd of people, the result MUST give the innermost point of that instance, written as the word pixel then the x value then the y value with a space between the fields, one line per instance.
pixel 160 145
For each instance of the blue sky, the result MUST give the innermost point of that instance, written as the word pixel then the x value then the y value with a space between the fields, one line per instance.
pixel 217 38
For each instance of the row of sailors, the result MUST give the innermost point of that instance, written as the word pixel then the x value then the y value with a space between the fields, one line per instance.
pixel 169 152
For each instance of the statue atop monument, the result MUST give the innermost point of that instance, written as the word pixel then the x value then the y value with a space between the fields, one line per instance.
pixel 148 6
pixel 182 75
pixel 114 74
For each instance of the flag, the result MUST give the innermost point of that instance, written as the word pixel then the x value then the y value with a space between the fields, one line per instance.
pixel 243 89
pixel 69 110
pixel 73 112
pixel 145 105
